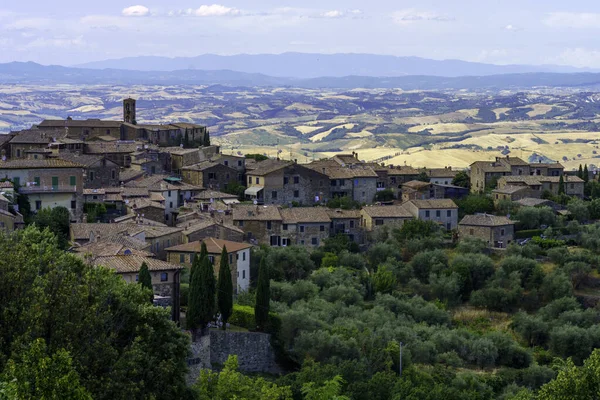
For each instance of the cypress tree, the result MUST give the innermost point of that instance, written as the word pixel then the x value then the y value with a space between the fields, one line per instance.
pixel 561 186
pixel 201 303
pixel 580 172
pixel 206 141
pixel 186 140
pixel 263 296
pixel 203 254
pixel 586 174
pixel 225 289
pixel 145 280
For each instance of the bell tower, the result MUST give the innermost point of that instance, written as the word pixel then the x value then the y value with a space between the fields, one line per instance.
pixel 129 111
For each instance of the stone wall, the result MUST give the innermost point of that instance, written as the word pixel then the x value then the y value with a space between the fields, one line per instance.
pixel 253 350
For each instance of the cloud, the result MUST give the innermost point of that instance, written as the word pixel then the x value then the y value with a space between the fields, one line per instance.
pixel 409 16
pixel 333 14
pixel 215 10
pixel 572 20
pixel 135 11
pixel 512 28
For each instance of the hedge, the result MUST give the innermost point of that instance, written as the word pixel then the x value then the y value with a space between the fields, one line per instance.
pixel 243 316
pixel 528 233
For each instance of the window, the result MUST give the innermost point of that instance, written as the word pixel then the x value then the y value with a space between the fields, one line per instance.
pixel 239 163
pixel 269 225
pixel 171 204
pixel 274 194
pixel 226 163
pixel 244 274
pixel 378 222
pixel 243 256
pixel 286 180
pixel 73 204
pixel 157 247
pixel 322 228
pixel 302 228
pixel 449 213
pixel 137 278
pixel 35 156
pixel 164 277
pixel 212 259
pixel 18 153
pixel 91 175
pixel 572 186
pixel 296 179
pixel 227 176
pixel 284 227
pixel 94 197
pixel 240 223
pixel 38 204
pixel 296 193
pixel 438 213
pixel 72 180
pixel 351 224
pixel 257 181
pixel 231 259
pixel 427 214
pixel 501 232
pixel 168 242
pixel 250 180
pixel 182 258
pixel 471 232
pixel 17 181
pixel 212 175
pixel 285 242
pixel 113 174
pixel 192 257
pixel 315 241
pixel 169 194
pixel 342 182
pixel 37 181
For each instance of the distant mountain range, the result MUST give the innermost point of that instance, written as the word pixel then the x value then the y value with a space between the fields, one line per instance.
pixel 307 66
pixel 32 73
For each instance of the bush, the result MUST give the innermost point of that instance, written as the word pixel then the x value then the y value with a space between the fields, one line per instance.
pixel 243 316
pixel 184 290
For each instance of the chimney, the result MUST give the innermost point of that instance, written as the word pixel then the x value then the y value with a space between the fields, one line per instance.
pixel 356 155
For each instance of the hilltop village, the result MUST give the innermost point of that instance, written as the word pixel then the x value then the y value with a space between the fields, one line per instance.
pixel 152 193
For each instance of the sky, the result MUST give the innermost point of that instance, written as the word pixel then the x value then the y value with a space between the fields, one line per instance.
pixel 71 32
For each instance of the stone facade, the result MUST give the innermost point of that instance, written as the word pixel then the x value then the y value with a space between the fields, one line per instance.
pixel 441 211
pixel 497 232
pixel 209 175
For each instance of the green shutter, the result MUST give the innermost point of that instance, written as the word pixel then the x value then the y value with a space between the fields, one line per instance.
pixel 17 181
pixel 55 181
pixel 72 180
pixel 37 181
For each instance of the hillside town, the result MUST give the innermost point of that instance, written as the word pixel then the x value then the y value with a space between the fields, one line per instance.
pixel 164 189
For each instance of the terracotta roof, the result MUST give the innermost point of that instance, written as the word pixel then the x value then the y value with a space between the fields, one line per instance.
pixel 330 168
pixel 84 159
pixel 346 158
pixel 402 170
pixel 141 203
pixel 513 161
pixel 434 203
pixel 297 215
pixel 87 123
pixel 135 192
pixel 213 245
pixel 130 174
pixel 490 166
pixel 485 220
pixel 94 191
pixel 107 248
pixel 6 138
pixel 442 172
pixel 45 163
pixel 269 166
pixel 82 231
pixel 110 147
pixel 203 165
pixel 342 214
pixel 152 232
pixel 134 219
pixel 133 263
pixel 509 189
pixel 547 165
pixel 393 211
pixel 416 185
pixel 36 136
pixel 213 194
pixel 256 213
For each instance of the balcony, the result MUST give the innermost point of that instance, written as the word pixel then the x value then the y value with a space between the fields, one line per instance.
pixel 48 189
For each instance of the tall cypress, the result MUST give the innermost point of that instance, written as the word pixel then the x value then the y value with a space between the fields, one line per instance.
pixel 561 186
pixel 580 172
pixel 198 258
pixel 586 174
pixel 263 296
pixel 201 303
pixel 145 280
pixel 225 289
pixel 186 140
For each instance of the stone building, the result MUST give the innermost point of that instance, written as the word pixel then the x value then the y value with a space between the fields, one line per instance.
pixel 205 228
pixel 48 183
pixel 442 211
pixel 25 142
pixel 537 185
pixel 346 222
pixel 236 162
pixel 261 224
pixel 165 276
pixel 117 152
pixel 10 220
pixel 303 226
pixel 209 175
pixel 441 176
pixel 238 254
pixel 147 208
pixel 99 171
pixel 419 190
pixel 373 217
pixel 84 129
pixel 497 232
pixel 286 182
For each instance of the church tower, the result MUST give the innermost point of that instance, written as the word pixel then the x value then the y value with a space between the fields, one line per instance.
pixel 129 110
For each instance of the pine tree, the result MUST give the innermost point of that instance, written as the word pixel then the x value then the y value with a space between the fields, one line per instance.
pixel 201 301
pixel 225 289
pixel 561 186
pixel 206 141
pixel 586 174
pixel 263 296
pixel 145 280
pixel 580 172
